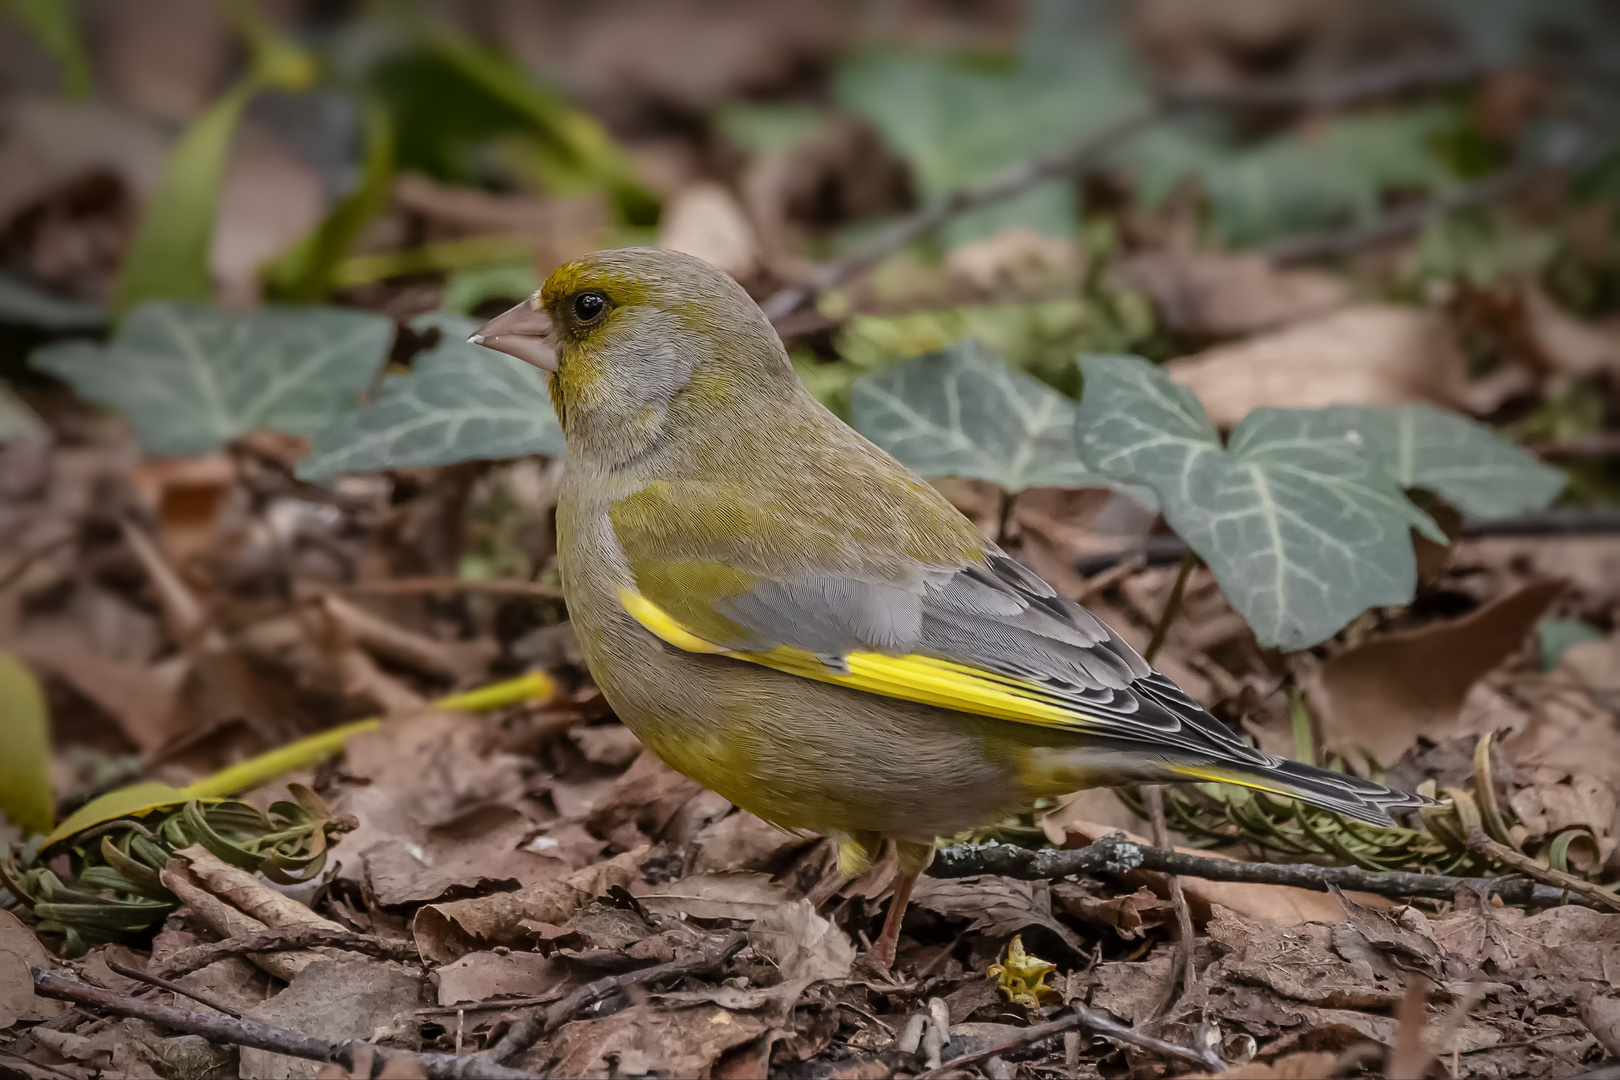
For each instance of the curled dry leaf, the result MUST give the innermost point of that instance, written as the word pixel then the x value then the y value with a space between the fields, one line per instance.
pixel 446 932
pixel 19 951
pixel 244 891
pixel 484 976
pixel 1600 1012
pixel 1214 295
pixel 998 906
pixel 746 896
pixel 1386 693
pixel 1364 355
pixel 803 945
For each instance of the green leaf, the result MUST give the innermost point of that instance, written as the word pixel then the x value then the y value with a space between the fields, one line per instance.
pixel 1464 462
pixel 962 412
pixel 53 25
pixel 471 286
pixel 168 258
pixel 304 274
pixel 192 378
pixel 23 305
pixel 1334 174
pixel 1300 528
pixel 460 402
pixel 958 121
pixel 25 766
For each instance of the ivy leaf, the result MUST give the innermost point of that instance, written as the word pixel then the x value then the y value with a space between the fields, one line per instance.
pixel 460 402
pixel 1465 463
pixel 959 120
pixel 191 377
pixel 23 305
pixel 961 412
pixel 1300 528
pixel 25 767
pixel 1334 175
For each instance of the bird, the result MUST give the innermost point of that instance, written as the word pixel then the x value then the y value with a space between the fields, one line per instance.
pixel 783 612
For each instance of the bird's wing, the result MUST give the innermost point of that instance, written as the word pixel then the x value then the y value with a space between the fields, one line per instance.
pixel 989 638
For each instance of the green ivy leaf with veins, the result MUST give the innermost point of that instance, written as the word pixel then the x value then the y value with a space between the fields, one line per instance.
pixel 1300 528
pixel 961 412
pixel 1464 462
pixel 461 402
pixel 191 377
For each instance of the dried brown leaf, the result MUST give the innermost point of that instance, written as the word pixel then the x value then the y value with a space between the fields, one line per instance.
pixel 1365 355
pixel 483 976
pixel 351 998
pixel 445 932
pixel 1386 693
pixel 1216 295
pixel 737 895
pixel 803 945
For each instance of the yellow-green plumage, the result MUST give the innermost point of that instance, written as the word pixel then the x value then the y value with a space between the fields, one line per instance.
pixel 786 614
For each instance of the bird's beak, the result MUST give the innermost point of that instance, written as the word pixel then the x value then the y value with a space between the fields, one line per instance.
pixel 522 331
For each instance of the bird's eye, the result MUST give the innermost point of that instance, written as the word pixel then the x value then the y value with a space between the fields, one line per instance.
pixel 588 306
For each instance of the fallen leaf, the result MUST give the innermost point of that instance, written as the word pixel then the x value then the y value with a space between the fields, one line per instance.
pixel 1569 345
pixel 1365 355
pixel 1307 1066
pixel 1601 1015
pixel 738 895
pixel 706 220
pixel 445 932
pixel 1015 262
pixel 642 1041
pixel 613 745
pixel 1306 962
pixel 19 951
pixel 399 876
pixel 352 998
pixel 1218 295
pixel 1131 991
pixel 1386 693
pixel 803 945
pixel 741 841
pixel 641 803
pixel 482 976
pixel 1130 915
pixel 999 906
pixel 244 891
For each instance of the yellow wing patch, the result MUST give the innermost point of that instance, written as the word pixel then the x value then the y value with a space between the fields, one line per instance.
pixel 923 679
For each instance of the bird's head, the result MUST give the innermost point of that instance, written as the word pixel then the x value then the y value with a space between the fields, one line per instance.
pixel 641 344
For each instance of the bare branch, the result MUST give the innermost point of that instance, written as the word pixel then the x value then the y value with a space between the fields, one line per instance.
pixel 241 1032
pixel 284 939
pixel 1114 854
pixel 525 1032
pixel 1085 1018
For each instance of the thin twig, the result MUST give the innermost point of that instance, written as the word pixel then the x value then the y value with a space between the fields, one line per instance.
pixel 284 939
pixel 1114 854
pixel 1335 91
pixel 1013 181
pixel 251 1033
pixel 1188 972
pixel 1405 220
pixel 1172 608
pixel 1557 879
pixel 172 987
pixel 523 1034
pixel 1088 1019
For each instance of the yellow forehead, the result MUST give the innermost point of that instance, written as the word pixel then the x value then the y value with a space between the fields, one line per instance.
pixel 619 285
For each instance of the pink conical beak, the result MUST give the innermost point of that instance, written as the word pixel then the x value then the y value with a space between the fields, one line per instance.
pixel 522 331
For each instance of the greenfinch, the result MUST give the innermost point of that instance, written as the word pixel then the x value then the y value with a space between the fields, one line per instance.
pixel 792 618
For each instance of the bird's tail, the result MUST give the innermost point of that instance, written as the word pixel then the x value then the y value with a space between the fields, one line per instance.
pixel 1341 793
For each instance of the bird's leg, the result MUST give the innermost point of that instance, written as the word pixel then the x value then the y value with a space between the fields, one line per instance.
pixel 914 859
pixel 855 854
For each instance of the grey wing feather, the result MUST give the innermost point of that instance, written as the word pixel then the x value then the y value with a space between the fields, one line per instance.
pixel 1002 618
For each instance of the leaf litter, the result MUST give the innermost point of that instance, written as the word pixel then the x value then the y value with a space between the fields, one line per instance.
pixel 332 546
